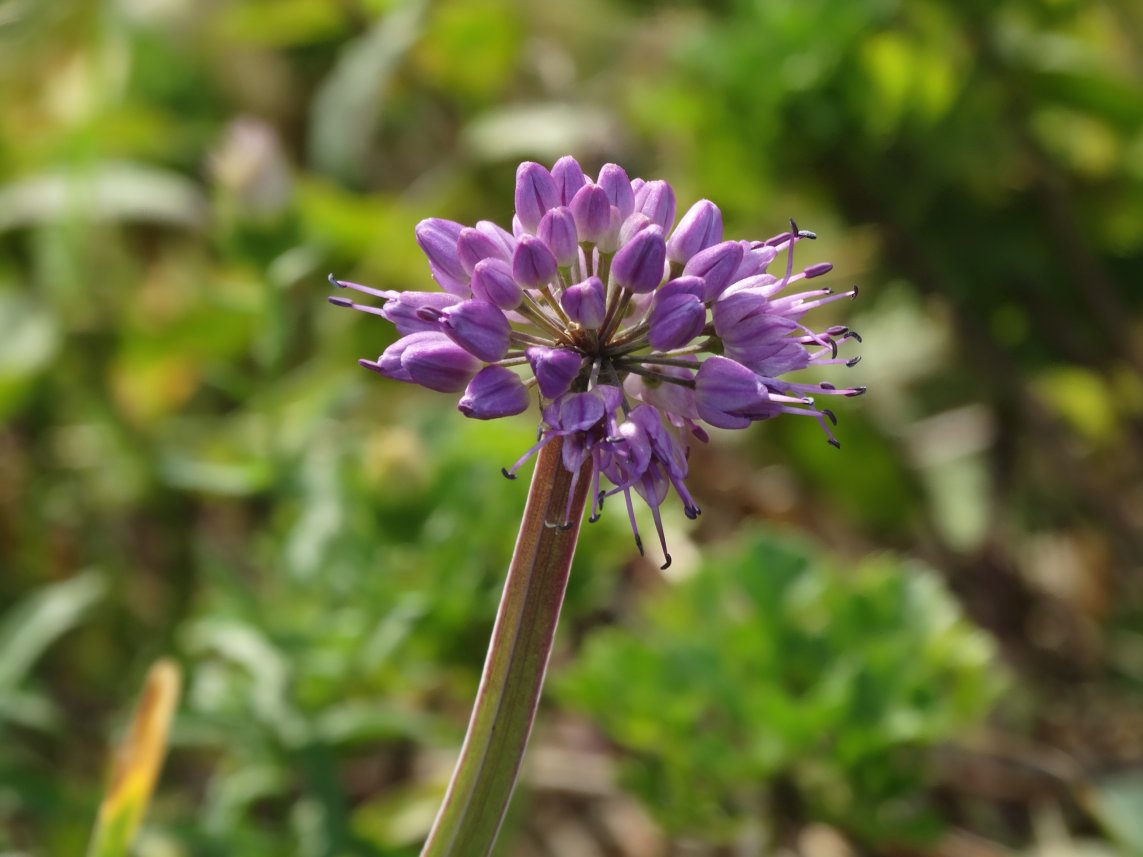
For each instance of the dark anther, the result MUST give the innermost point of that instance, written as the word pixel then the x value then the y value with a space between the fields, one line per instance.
pixel 692 512
pixel 832 346
pixel 834 442
pixel 805 233
pixel 507 475
pixel 334 281
pixel 830 415
pixel 565 526
pixel 793 226
pixel 594 518
pixel 340 301
pixel 853 334
pixel 826 385
pixel 855 290
pixel 853 361
pixel 666 565
pixel 856 391
pixel 599 500
pixel 639 544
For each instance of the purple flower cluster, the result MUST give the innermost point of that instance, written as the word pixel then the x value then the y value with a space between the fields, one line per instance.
pixel 633 329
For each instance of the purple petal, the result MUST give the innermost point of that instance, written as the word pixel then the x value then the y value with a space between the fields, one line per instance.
pixel 585 303
pixel 479 327
pixel 656 199
pixel 557 230
pixel 554 368
pixel 592 212
pixel 536 193
pixel 569 178
pixel 701 227
pixel 717 266
pixel 437 238
pixel 533 264
pixel 613 179
pixel 492 281
pixel 639 264
pixel 495 392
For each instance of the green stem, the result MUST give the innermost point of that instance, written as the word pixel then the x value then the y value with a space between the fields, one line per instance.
pixel 485 774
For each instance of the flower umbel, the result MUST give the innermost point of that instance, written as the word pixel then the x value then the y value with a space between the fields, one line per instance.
pixel 633 331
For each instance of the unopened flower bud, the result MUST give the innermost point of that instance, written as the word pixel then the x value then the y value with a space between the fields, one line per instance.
pixel 536 193
pixel 638 266
pixel 701 227
pixel 495 392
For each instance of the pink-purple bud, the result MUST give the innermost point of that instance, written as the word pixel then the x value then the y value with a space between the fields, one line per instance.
pixel 479 327
pixel 637 222
pixel 536 193
pixel 437 238
pixel 492 281
pixel 533 264
pixel 677 315
pixel 656 199
pixel 569 178
pixel 592 212
pixel 557 230
pixel 638 266
pixel 729 395
pixel 474 246
pixel 586 302
pixel 554 368
pixel 402 310
pixel 716 265
pixel 613 179
pixel 431 360
pixel 756 257
pixel 818 270
pixel 495 392
pixel 500 236
pixel 701 227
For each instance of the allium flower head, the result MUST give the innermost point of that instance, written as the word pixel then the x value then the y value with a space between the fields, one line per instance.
pixel 632 331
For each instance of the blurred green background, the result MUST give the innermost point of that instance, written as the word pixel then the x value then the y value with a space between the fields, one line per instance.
pixel 929 642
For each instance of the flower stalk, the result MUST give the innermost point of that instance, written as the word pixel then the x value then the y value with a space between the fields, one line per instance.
pixel 485 775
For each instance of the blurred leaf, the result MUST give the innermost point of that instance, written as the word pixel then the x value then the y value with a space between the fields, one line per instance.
pixel 1115 802
pixel 109 191
pixel 347 104
pixel 28 628
pixel 29 339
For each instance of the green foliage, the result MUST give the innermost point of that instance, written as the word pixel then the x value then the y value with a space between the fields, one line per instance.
pixel 775 669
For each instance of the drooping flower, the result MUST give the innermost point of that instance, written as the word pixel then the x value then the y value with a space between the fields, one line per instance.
pixel 633 333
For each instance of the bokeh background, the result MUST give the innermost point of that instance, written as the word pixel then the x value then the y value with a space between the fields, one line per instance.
pixel 928 642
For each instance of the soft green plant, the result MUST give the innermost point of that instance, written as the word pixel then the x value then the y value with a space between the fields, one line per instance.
pixel 775 670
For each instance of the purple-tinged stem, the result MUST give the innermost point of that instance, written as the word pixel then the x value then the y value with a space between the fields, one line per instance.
pixel 477 798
